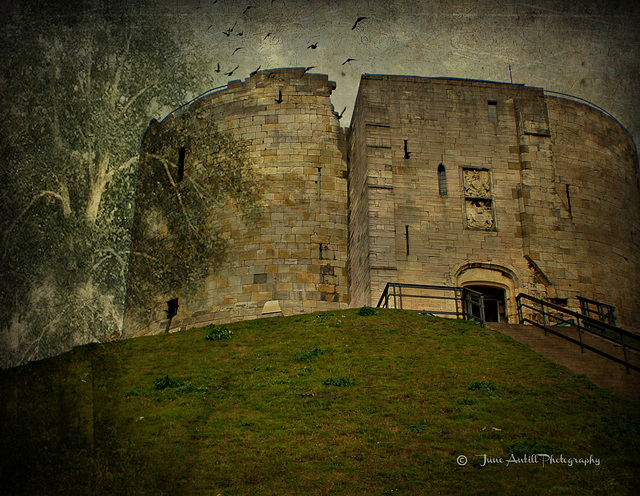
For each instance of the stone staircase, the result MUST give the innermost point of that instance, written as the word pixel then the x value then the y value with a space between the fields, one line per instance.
pixel 601 371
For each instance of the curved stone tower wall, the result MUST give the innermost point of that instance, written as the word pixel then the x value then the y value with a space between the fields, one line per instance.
pixel 296 254
pixel 474 183
pixel 596 162
pixel 451 182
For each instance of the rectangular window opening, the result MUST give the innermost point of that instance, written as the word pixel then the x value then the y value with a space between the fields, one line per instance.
pixel 493 110
pixel 172 308
pixel 319 181
pixel 407 153
pixel 569 202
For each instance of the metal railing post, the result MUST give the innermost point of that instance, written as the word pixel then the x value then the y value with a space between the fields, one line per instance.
pixel 520 313
pixel 624 350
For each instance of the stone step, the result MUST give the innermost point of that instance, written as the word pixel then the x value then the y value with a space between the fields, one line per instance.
pixel 601 371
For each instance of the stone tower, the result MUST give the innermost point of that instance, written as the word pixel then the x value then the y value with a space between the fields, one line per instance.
pixel 497 187
pixel 293 258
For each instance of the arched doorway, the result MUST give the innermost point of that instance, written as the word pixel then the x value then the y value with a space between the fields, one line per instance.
pixel 494 300
pixel 496 283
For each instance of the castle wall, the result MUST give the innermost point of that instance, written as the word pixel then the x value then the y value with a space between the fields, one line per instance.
pixel 596 163
pixel 450 182
pixel 506 153
pixel 296 253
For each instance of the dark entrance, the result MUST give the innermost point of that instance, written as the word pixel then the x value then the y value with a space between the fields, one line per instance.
pixel 494 304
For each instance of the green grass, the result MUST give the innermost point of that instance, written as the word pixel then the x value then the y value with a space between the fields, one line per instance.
pixel 331 403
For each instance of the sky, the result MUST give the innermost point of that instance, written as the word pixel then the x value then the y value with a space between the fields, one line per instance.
pixel 589 49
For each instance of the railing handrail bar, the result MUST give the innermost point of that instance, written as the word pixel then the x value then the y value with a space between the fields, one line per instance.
pixel 594 302
pixel 422 286
pixel 581 316
pixel 416 286
pixel 622 332
pixel 586 346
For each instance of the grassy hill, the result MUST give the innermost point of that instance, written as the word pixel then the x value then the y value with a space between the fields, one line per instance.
pixel 326 403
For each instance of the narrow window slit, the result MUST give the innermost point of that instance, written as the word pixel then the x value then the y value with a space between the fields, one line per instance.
pixel 569 201
pixel 318 181
pixel 442 180
pixel 407 153
pixel 406 234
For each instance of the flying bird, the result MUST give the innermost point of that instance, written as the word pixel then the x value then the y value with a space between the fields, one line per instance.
pixel 304 71
pixel 268 34
pixel 314 46
pixel 339 116
pixel 230 73
pixel 239 48
pixel 228 31
pixel 357 21
pixel 240 33
pixel 279 99
pixel 255 72
pixel 348 60
pixel 249 7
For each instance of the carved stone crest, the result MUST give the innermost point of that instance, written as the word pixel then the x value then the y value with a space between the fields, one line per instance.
pixel 477 183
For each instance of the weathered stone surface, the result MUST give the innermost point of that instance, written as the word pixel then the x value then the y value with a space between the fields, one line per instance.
pixel 450 182
pixel 528 177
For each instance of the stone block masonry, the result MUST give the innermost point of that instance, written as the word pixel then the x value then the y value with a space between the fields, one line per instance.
pixel 297 252
pixel 437 181
pixel 480 184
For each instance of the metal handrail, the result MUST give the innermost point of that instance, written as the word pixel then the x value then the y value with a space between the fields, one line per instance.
pixel 466 299
pixel 606 313
pixel 582 323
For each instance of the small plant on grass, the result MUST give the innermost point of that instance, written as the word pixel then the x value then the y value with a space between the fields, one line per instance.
pixel 305 356
pixel 340 381
pixel 217 332
pixel 165 382
pixel 488 388
pixel 418 427
pixel 367 311
pixel 482 386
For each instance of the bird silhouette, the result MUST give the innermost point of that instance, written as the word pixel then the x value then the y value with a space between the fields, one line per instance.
pixel 249 7
pixel 239 48
pixel 307 69
pixel 230 30
pixel 210 25
pixel 348 60
pixel 255 72
pixel 314 46
pixel 279 99
pixel 230 73
pixel 339 116
pixel 357 21
pixel 240 33
pixel 268 34
pixel 218 68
